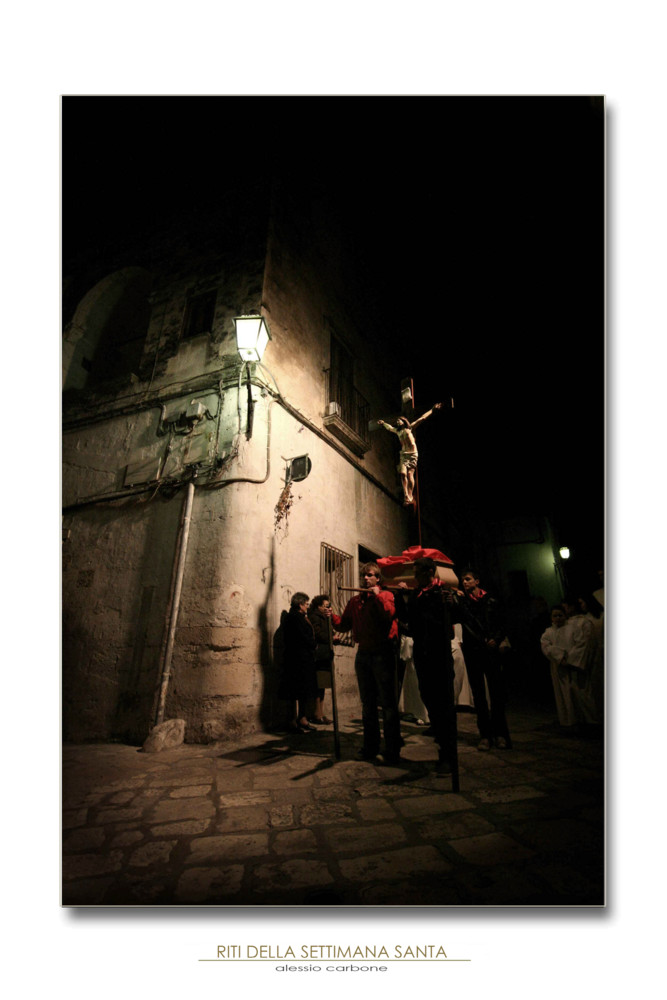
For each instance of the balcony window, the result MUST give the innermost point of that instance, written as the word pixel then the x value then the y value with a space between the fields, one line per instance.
pixel 199 312
pixel 346 412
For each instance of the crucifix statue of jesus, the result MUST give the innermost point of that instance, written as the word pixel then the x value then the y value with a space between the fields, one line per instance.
pixel 407 463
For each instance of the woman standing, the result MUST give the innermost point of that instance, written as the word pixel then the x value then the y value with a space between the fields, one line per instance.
pixel 299 684
pixel 322 619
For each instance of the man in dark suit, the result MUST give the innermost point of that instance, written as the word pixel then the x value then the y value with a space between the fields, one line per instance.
pixel 483 631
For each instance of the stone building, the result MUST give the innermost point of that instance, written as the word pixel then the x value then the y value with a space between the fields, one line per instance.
pixel 200 491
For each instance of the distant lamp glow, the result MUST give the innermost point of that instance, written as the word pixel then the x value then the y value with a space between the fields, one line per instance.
pixel 252 336
pixel 564 552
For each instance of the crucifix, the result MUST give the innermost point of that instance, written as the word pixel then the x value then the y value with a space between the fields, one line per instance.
pixel 404 429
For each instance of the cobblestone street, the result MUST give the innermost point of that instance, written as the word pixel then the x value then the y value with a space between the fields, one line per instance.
pixel 275 820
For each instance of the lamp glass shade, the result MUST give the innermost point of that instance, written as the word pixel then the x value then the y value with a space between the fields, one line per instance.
pixel 252 336
pixel 564 552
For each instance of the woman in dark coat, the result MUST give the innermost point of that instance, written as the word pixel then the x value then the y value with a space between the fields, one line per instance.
pixel 322 618
pixel 299 682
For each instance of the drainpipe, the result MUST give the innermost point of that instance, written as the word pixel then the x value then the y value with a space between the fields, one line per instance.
pixel 175 601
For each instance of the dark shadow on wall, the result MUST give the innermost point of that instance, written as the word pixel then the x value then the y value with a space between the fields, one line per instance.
pixel 272 711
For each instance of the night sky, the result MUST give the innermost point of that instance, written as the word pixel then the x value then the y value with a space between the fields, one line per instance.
pixel 478 225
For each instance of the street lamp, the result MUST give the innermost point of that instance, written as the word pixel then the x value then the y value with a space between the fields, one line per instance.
pixel 252 336
pixel 564 552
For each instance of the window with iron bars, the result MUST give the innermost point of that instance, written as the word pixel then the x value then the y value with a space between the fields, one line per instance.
pixel 336 572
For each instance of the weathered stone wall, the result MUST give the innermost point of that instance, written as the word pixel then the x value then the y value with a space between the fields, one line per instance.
pixel 240 570
pixel 240 574
pixel 116 573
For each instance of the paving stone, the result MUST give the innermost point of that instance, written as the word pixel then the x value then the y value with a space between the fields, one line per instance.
pixel 149 796
pixel 281 816
pixel 420 754
pixel 484 762
pixel 324 813
pixel 457 824
pixel 235 779
pixel 176 809
pixel 333 793
pixel 280 779
pixel 126 838
pixel 294 874
pixel 304 779
pixel 83 839
pixel 86 865
pixel 386 789
pixel 353 771
pixel 228 846
pixel 135 782
pixel 229 799
pixel 295 796
pixel 511 775
pixel 428 804
pixel 242 818
pixel 204 758
pixel 375 809
pixel 156 852
pixel 366 838
pixel 336 774
pixel 190 792
pixel 294 842
pixel 179 778
pixel 121 798
pixel 116 815
pixel 394 865
pixel 73 817
pixel 512 794
pixel 490 849
pixel 301 762
pixel 200 885
pixel 186 828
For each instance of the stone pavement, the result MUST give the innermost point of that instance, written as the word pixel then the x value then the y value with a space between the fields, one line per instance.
pixel 276 820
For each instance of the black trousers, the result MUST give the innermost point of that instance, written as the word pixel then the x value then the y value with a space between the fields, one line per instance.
pixel 376 677
pixel 480 664
pixel 435 677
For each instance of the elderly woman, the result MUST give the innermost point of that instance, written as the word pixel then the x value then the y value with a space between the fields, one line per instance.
pixel 299 683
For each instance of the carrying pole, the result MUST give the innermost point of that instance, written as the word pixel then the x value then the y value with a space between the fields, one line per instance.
pixel 454 739
pixel 175 601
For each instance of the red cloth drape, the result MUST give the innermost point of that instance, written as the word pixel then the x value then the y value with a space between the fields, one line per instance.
pixel 389 564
